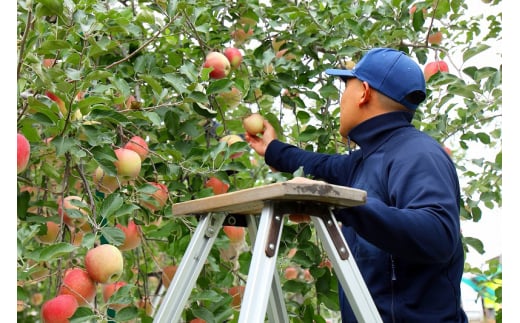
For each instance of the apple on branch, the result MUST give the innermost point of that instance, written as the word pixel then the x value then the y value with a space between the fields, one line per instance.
pixel 104 182
pixel 231 139
pixel 253 124
pixel 72 210
pixel 237 293
pixel 23 153
pixel 132 236
pixel 156 200
pixel 435 67
pixel 128 163
pixel 59 309
pixel 139 145
pixel 108 290
pixel 104 263
pixel 219 64
pixel 167 274
pixel 218 186
pixel 234 56
pixel 78 283
pixel 52 233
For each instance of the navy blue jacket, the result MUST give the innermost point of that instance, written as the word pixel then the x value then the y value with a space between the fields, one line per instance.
pixel 406 239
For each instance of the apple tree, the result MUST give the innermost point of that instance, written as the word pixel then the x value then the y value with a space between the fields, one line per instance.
pixel 92 75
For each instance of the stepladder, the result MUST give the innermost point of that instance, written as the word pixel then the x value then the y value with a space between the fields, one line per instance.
pixel 262 210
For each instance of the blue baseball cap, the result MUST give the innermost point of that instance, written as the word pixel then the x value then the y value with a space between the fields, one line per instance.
pixel 390 72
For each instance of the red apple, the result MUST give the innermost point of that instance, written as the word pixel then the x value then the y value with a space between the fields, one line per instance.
pixel 167 274
pixel 219 63
pixel 291 273
pixel 292 252
pixel 48 62
pixel 132 236
pixel 198 320
pixel 69 212
pixel 253 123
pixel 299 218
pixel 104 182
pixel 218 186
pixel 240 35
pixel 235 234
pixel 59 309
pixel 59 101
pixel 104 263
pixel 237 292
pixel 231 139
pixel 128 163
pixel 139 145
pixel 23 153
pixel 109 290
pixel 159 197
pixel 234 56
pixel 434 67
pixel 77 282
pixel 435 38
pixel 53 231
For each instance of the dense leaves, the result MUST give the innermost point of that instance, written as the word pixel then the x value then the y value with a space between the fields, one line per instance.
pixel 134 67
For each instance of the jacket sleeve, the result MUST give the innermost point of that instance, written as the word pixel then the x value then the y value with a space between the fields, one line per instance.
pixel 288 158
pixel 421 221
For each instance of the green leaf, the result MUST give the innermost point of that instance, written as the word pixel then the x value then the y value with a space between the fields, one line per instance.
pixel 110 205
pixel 473 51
pixel 54 251
pixel 204 111
pixel 113 235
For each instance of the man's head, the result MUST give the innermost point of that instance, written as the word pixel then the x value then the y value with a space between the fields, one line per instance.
pixel 390 72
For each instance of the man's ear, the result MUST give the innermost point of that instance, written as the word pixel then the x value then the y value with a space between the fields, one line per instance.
pixel 367 94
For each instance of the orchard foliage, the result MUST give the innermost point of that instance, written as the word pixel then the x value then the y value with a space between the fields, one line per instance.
pixel 93 74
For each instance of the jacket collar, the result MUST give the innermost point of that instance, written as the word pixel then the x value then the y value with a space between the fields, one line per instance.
pixel 372 133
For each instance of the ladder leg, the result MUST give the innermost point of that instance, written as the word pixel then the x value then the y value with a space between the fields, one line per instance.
pixel 276 310
pixel 189 269
pixel 262 267
pixel 346 268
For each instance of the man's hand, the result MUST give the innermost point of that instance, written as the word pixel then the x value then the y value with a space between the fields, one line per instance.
pixel 260 143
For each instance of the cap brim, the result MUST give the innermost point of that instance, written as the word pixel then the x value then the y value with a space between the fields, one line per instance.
pixel 340 73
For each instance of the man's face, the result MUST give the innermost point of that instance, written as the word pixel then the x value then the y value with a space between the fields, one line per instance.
pixel 349 104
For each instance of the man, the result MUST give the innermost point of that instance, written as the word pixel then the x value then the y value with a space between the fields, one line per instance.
pixel 406 239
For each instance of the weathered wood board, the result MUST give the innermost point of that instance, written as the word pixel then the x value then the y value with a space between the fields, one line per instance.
pixel 251 200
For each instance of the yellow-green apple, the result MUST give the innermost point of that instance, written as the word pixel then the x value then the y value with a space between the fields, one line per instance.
pixel 434 67
pixel 53 230
pixel 435 38
pixel 59 309
pixel 72 213
pixel 132 233
pixel 230 98
pixel 219 63
pixel 218 186
pixel 234 56
pixel 128 163
pixel 235 234
pixel 104 182
pixel 157 200
pixel 231 139
pixel 139 145
pixel 78 283
pixel 104 263
pixel 167 274
pixel 108 290
pixel 23 153
pixel 236 292
pixel 253 123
